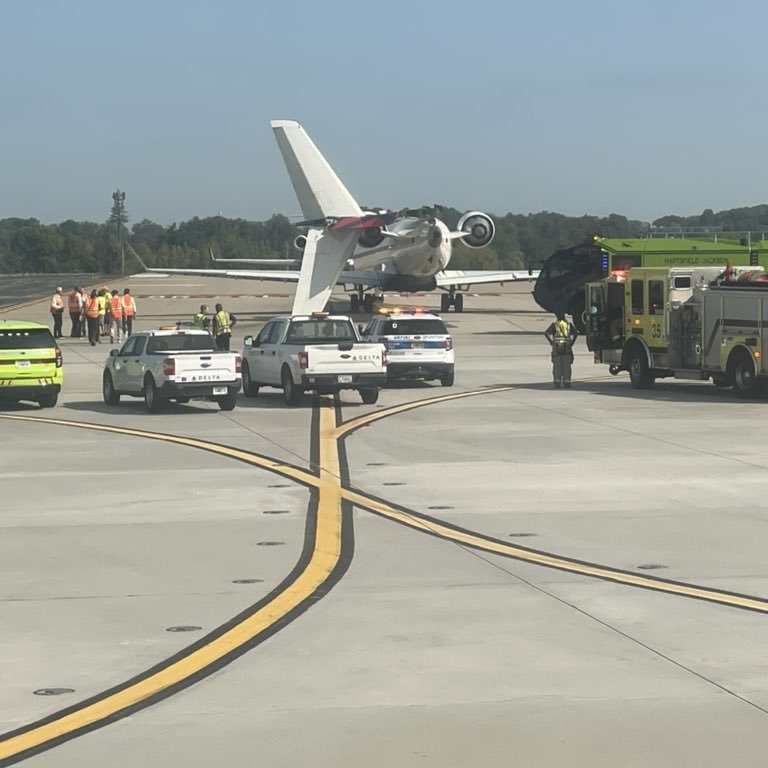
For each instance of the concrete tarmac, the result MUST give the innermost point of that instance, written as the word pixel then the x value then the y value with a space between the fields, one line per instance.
pixel 354 597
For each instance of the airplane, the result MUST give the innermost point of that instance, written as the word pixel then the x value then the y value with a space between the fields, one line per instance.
pixel 367 252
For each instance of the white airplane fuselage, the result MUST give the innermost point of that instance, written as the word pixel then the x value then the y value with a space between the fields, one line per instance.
pixel 421 249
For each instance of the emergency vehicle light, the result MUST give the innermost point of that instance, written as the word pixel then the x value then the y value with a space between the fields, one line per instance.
pixel 319 314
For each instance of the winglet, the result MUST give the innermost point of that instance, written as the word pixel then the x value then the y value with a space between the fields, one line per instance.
pixel 137 257
pixel 319 190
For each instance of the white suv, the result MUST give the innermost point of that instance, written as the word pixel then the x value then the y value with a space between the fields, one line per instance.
pixel 418 345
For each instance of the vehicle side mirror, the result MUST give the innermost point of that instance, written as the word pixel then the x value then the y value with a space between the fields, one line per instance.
pixel 113 353
pixel 360 328
pixel 248 341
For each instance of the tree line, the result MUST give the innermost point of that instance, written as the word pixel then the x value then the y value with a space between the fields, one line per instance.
pixel 522 240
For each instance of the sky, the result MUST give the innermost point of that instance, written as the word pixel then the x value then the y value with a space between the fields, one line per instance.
pixel 592 107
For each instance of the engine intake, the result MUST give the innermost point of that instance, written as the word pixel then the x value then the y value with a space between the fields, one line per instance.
pixel 479 228
pixel 370 237
pixel 300 243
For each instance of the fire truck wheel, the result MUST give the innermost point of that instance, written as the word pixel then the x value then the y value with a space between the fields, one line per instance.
pixel 744 381
pixel 639 373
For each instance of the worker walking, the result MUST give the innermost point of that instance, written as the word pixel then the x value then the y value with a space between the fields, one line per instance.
pixel 103 299
pixel 561 335
pixel 75 305
pixel 57 311
pixel 92 317
pixel 115 318
pixel 201 319
pixel 128 304
pixel 223 323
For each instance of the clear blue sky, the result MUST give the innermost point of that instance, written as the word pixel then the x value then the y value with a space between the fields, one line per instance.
pixel 578 107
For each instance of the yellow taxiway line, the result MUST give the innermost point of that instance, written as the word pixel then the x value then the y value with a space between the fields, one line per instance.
pixel 324 558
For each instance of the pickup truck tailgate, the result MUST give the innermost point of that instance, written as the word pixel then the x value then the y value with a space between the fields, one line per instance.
pixel 203 366
pixel 345 358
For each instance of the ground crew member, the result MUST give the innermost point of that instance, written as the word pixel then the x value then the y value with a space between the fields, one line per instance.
pixel 93 316
pixel 561 335
pixel 222 327
pixel 115 318
pixel 57 311
pixel 201 319
pixel 103 302
pixel 75 306
pixel 128 304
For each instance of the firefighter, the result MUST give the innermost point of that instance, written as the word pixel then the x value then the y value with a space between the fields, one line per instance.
pixel 561 336
pixel 222 327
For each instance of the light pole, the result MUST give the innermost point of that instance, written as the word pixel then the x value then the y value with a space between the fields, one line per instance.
pixel 119 200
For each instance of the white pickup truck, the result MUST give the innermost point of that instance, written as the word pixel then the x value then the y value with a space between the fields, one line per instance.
pixel 319 352
pixel 171 364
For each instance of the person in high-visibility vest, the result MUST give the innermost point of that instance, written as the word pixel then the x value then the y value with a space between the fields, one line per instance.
pixel 115 318
pixel 92 317
pixel 201 319
pixel 103 303
pixel 222 327
pixel 561 335
pixel 75 306
pixel 128 304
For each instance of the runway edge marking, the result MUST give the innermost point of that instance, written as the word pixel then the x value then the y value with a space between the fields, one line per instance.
pixel 327 552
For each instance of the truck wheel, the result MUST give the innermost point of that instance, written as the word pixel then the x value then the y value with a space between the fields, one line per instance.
pixel 445 302
pixel 614 369
pixel 291 392
pixel 639 373
pixel 744 380
pixel 183 400
pixel 48 401
pixel 458 302
pixel 227 402
pixel 249 388
pixel 447 379
pixel 369 395
pixel 108 390
pixel 152 399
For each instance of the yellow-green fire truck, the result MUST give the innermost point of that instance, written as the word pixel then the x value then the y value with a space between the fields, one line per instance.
pixel 690 323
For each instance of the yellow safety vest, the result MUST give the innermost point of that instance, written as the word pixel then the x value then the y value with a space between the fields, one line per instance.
pixel 224 324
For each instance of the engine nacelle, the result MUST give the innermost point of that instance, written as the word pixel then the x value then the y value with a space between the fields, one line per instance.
pixel 479 228
pixel 300 243
pixel 370 237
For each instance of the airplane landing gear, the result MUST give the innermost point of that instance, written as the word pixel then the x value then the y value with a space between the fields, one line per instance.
pixel 361 302
pixel 452 299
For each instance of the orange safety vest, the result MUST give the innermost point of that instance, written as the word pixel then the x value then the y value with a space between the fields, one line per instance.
pixel 74 305
pixel 128 305
pixel 116 307
pixel 92 308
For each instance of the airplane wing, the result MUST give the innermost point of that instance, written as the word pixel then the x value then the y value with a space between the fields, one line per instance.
pixel 453 278
pixel 319 190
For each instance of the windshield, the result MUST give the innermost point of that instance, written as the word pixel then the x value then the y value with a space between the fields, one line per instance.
pixel 34 338
pixel 333 331
pixel 415 328
pixel 197 342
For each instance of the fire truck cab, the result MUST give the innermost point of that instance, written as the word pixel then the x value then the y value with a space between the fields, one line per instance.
pixel 689 323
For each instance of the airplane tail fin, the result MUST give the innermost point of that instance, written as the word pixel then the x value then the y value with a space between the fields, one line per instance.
pixel 319 190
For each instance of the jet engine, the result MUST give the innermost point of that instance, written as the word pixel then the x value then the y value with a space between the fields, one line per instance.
pixel 479 228
pixel 300 243
pixel 370 237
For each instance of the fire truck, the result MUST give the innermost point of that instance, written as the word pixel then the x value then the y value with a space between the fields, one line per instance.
pixel 695 323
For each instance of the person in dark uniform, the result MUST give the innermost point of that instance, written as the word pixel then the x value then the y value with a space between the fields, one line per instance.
pixel 561 336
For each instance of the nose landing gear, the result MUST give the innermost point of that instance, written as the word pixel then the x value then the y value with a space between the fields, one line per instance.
pixel 361 302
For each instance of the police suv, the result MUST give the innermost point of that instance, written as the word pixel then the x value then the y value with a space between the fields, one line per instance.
pixel 172 364
pixel 418 344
